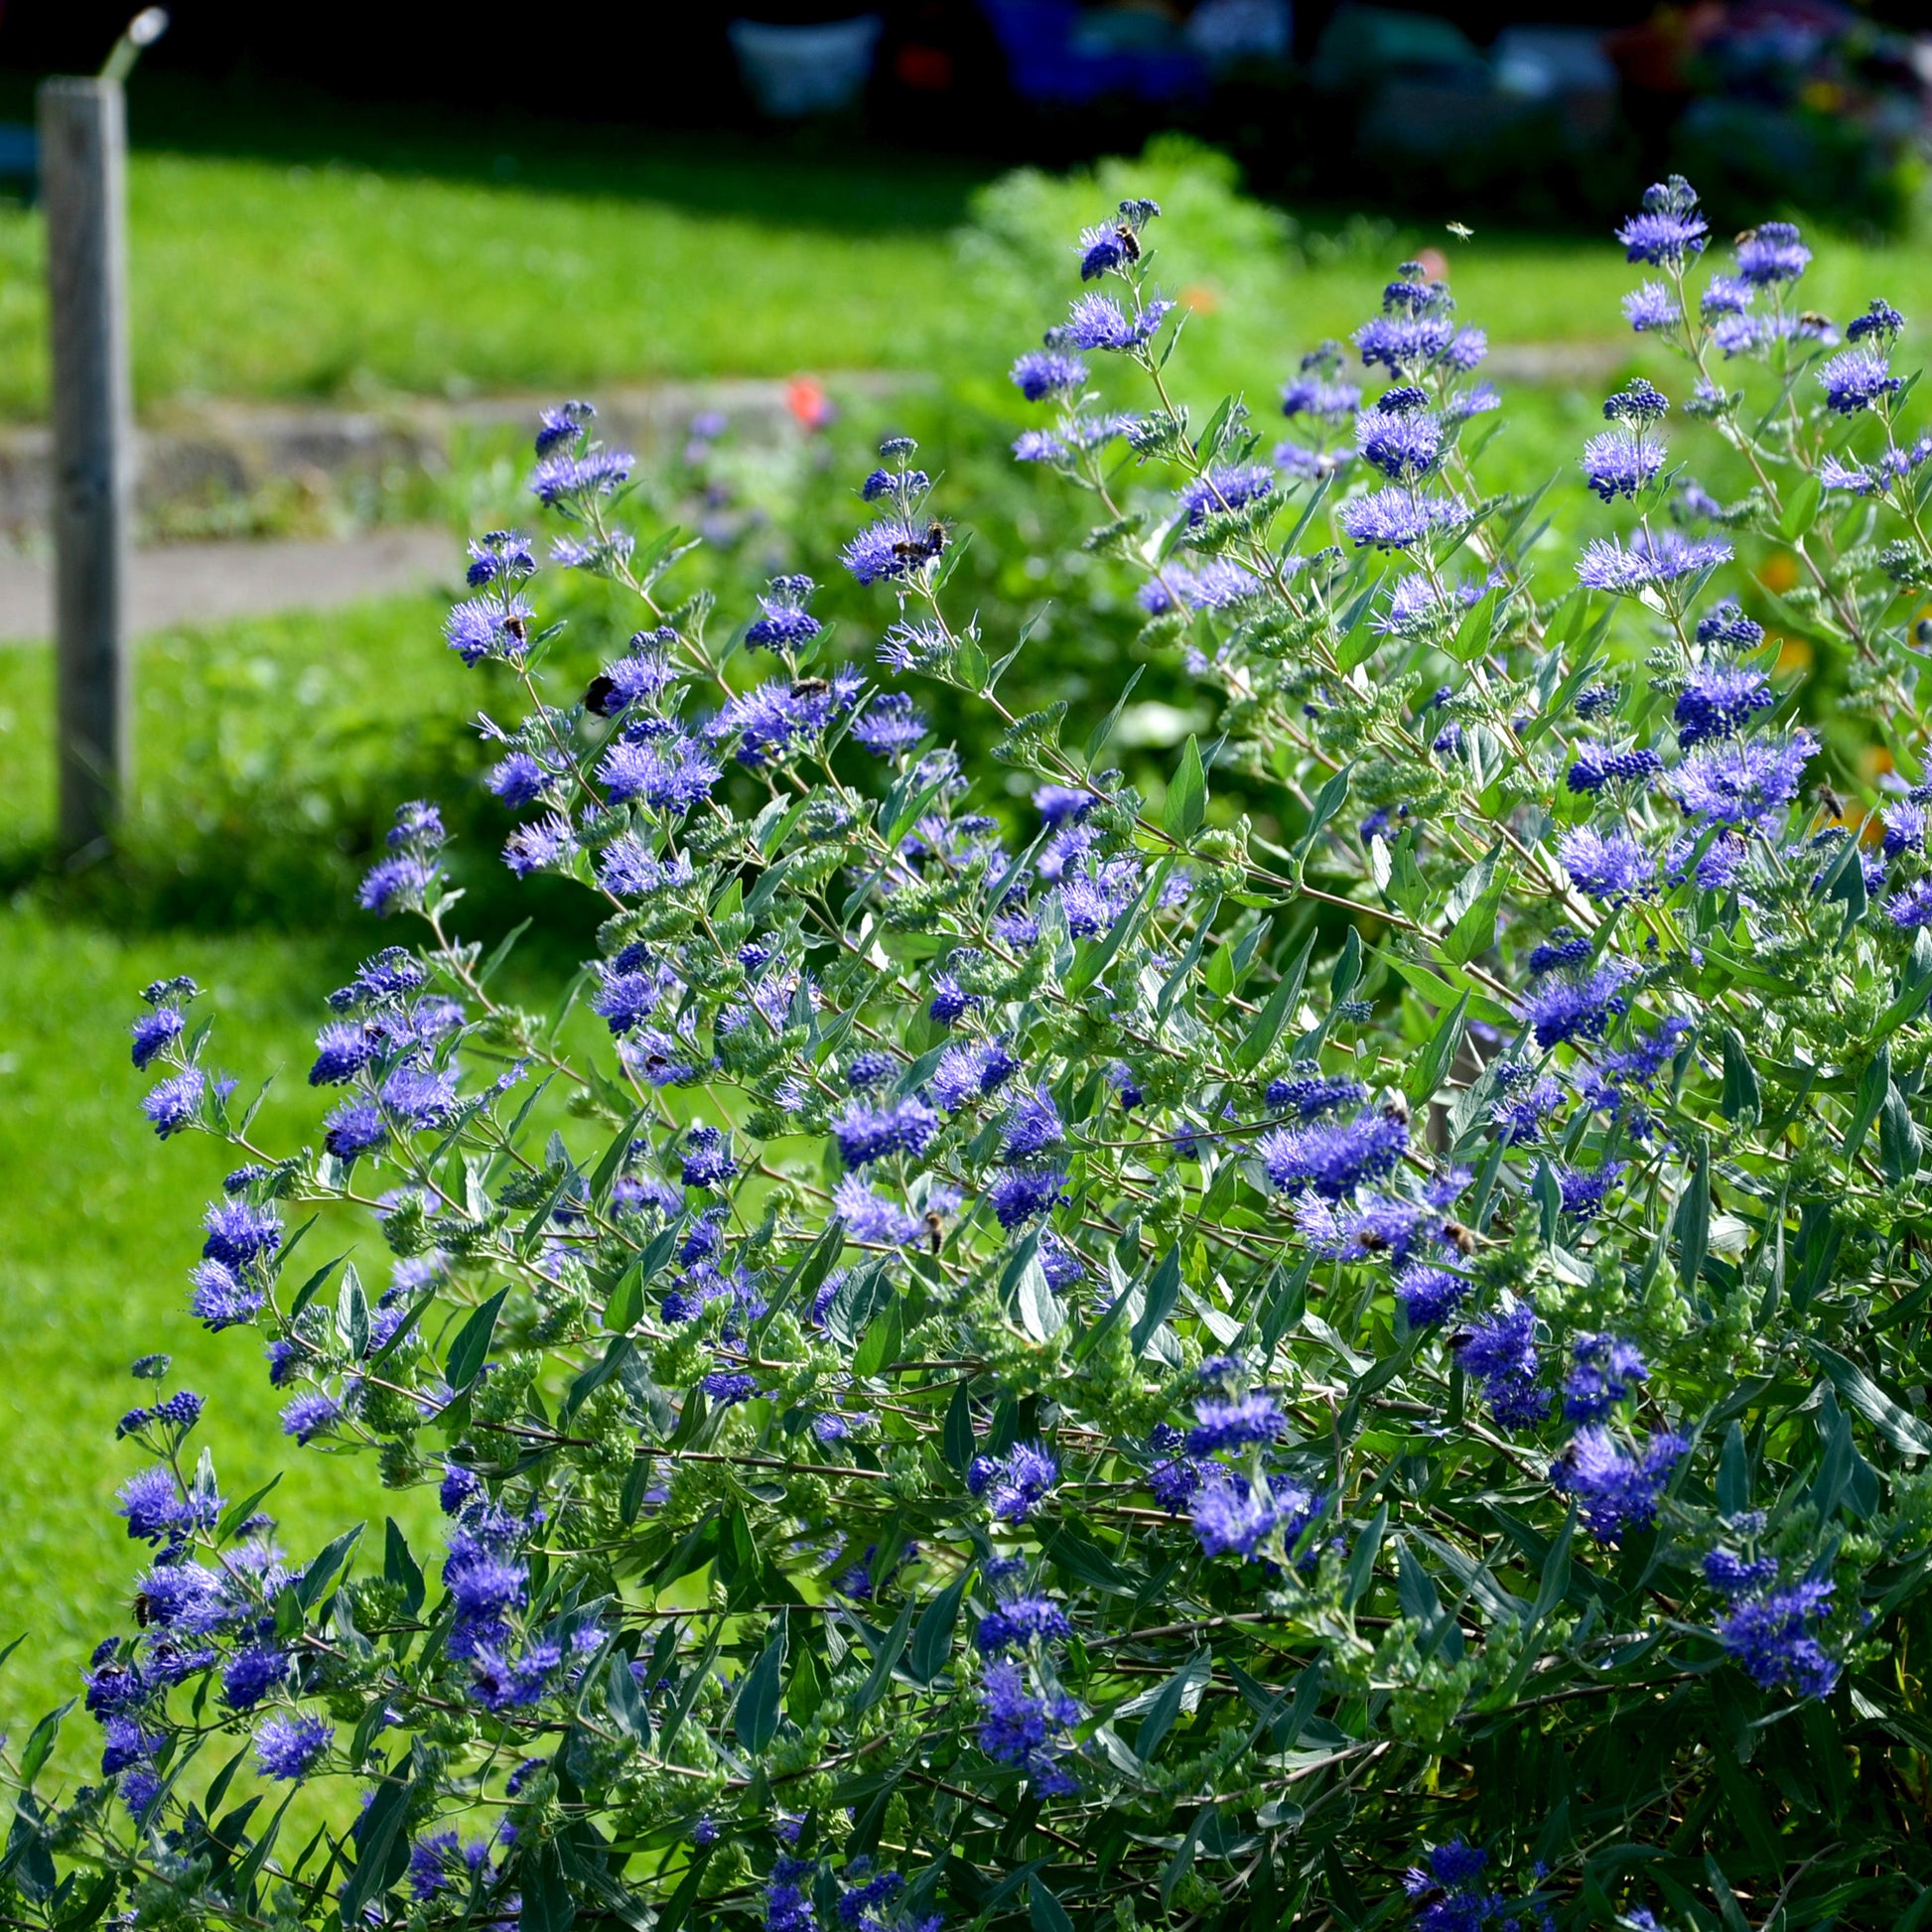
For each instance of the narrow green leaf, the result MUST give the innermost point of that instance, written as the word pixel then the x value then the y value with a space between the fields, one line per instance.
pixel 1186 801
pixel 957 1439
pixel 237 1514
pixel 883 1666
pixel 309 1290
pixel 1045 1910
pixel 1327 802
pixel 1163 1291
pixel 40 1746
pixel 1168 1701
pixel 1801 508
pixel 1554 1584
pixel 1898 1139
pixel 1472 634
pixel 1899 1427
pixel 1103 731
pixel 321 1569
pixel 1691 1221
pixel 400 1567
pixel 1873 1083
pixel 1361 1561
pixel 881 1342
pixel 1733 1473
pixel 471 1349
pixel 1347 973
pixel 755 1716
pixel 1273 1017
pixel 381 1845
pixel 1433 1064
pixel 547 1905
pixel 932 1635
pixel 1741 1100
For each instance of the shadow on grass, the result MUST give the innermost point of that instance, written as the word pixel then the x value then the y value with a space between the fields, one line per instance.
pixel 794 178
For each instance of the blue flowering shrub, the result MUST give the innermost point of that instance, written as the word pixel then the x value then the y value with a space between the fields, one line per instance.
pixel 1116 1369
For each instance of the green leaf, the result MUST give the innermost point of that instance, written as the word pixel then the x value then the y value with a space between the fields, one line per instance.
pixel 1347 973
pixel 1040 1314
pixel 624 1308
pixel 1361 1561
pixel 1103 731
pixel 1273 1017
pixel 400 1567
pixel 1163 1291
pixel 381 1843
pixel 1357 632
pixel 1470 913
pixel 1899 1427
pixel 1327 802
pixel 861 1296
pixel 1168 1701
pixel 1547 1191
pixel 1187 802
pixel 1441 991
pixel 1874 1084
pixel 881 1342
pixel 755 1716
pixel 40 1746
pixel 1433 1064
pixel 1207 446
pixel 1092 957
pixel 1472 634
pixel 957 1439
pixel 932 1635
pixel 1554 1584
pixel 321 1569
pixel 1086 1562
pixel 883 1666
pixel 686 1895
pixel 547 1903
pixel 1733 1473
pixel 808 1277
pixel 237 1514
pixel 1691 1222
pixel 1044 1909
pixel 969 664
pixel 1741 1100
pixel 312 1285
pixel 626 1701
pixel 471 1349
pixel 1177 1867
pixel 1801 508
pixel 1898 1140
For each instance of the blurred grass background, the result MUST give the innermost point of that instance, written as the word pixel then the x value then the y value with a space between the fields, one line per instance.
pixel 349 260
pixel 291 250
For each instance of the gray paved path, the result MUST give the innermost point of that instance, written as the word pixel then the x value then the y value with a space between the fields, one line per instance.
pixel 204 583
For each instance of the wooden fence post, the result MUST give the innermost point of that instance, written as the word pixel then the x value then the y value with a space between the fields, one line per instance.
pixel 84 152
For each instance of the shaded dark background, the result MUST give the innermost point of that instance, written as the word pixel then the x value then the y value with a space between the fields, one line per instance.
pixel 1707 86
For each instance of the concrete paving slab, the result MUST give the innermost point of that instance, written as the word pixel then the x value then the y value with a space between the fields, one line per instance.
pixel 206 583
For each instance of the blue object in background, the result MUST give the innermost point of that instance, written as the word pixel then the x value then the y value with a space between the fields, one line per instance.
pixel 1062 55
pixel 19 154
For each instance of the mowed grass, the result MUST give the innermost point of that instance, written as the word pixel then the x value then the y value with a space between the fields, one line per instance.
pixel 248 734
pixel 100 1230
pixel 317 253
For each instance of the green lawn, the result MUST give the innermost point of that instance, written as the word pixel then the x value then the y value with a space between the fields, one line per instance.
pixel 257 745
pixel 95 1244
pixel 300 253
